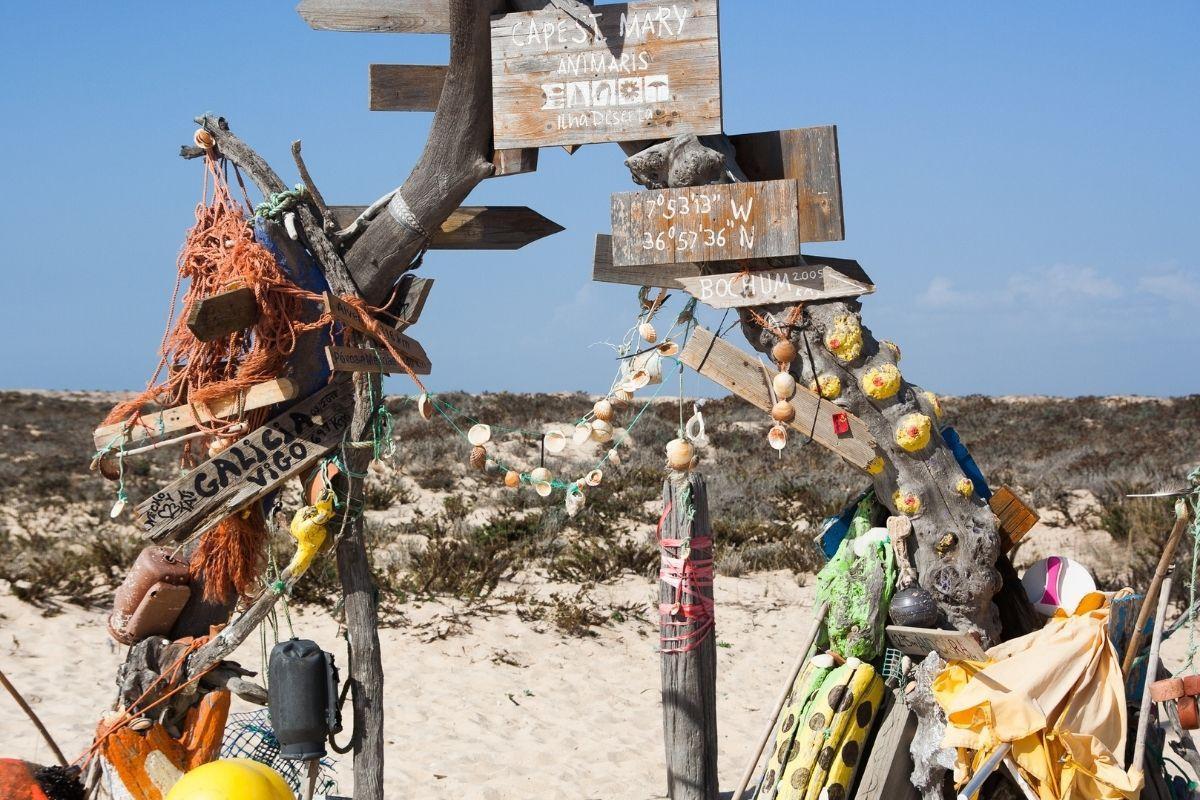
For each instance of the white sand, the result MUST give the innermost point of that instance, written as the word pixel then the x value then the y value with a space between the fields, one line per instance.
pixel 581 718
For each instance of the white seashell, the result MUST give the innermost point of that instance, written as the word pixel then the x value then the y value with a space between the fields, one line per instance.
pixel 540 478
pixel 668 348
pixel 479 434
pixel 594 478
pixel 784 385
pixel 623 396
pixel 637 380
pixel 679 454
pixel 582 435
pixel 603 410
pixel 602 431
pixel 141 724
pixel 555 441
pixel 117 508
pixel 647 332
pixel 425 407
pixel 778 436
pixel 575 501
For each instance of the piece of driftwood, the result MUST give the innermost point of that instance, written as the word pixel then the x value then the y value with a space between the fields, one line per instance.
pixel 514 162
pixel 384 16
pixel 477 227
pixel 158 424
pixel 801 660
pixel 223 314
pixel 406 87
pixel 19 699
pixel 1161 570
pixel 689 679
pixel 642 70
pixel 730 367
pixel 885 773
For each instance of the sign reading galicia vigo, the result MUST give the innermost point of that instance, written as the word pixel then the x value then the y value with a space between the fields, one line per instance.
pixel 251 467
pixel 653 71
pixel 706 223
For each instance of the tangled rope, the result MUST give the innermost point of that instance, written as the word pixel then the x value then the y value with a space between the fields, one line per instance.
pixel 693 610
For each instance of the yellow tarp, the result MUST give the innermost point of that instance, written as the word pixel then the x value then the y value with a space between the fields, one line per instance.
pixel 1058 697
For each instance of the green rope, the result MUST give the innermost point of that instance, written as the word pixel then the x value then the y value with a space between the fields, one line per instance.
pixel 279 203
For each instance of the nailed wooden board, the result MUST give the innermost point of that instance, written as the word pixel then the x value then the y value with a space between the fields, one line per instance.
pixel 360 359
pixel 411 295
pixel 798 284
pixel 406 87
pixel 477 227
pixel 223 314
pixel 653 73
pixel 732 368
pixel 950 645
pixel 250 468
pixel 706 223
pixel 387 16
pixel 808 156
pixel 162 423
pixel 515 162
pixel 409 349
pixel 665 276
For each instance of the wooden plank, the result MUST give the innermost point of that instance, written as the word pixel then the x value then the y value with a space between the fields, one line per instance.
pixel 885 775
pixel 654 72
pixel 409 349
pixel 406 87
pixel 360 359
pixel 410 300
pixel 950 645
pixel 706 223
pixel 163 423
pixel 798 284
pixel 1015 517
pixel 732 368
pixel 250 468
pixel 478 227
pixel 383 16
pixel 515 162
pixel 808 156
pixel 223 314
pixel 665 276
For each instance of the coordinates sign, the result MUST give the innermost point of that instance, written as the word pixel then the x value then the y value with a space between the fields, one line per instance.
pixel 653 71
pixel 251 467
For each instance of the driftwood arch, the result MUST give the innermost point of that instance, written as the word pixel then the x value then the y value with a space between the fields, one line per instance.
pixel 958 556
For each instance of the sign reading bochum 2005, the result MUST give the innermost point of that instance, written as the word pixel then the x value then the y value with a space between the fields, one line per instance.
pixel 645 70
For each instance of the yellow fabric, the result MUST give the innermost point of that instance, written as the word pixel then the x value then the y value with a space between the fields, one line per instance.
pixel 1057 695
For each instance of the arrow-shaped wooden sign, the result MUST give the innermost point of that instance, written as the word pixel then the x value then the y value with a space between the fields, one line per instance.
pixel 803 283
pixel 730 367
pixel 477 227
pixel 251 467
pixel 384 16
pixel 409 349
pixel 360 359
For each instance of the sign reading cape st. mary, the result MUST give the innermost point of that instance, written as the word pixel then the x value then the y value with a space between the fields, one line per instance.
pixel 652 72
pixel 251 467
pixel 706 223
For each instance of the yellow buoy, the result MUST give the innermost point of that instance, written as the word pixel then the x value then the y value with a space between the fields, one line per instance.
pixel 231 779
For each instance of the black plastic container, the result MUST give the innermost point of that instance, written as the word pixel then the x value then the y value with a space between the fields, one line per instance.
pixel 302 698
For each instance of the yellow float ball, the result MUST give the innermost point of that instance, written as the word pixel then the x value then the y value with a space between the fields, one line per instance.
pixel 231 779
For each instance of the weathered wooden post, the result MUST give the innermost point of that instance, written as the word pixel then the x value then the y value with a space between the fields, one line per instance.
pixel 689 645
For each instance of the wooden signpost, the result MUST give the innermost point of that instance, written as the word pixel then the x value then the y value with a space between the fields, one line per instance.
pixel 409 349
pixel 950 645
pixel 730 367
pixel 799 284
pixel 379 361
pixel 251 467
pixel 478 227
pixel 162 423
pixel 652 72
pixel 383 16
pixel 706 223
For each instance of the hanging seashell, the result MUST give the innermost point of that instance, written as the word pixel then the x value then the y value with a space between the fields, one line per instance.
pixel 777 437
pixel 679 454
pixel 603 410
pixel 117 508
pixel 623 396
pixel 204 139
pixel 575 500
pixel 541 479
pixel 784 352
pixel 784 385
pixel 556 442
pixel 594 478
pixel 478 457
pixel 479 434
pixel 602 431
pixel 783 411
pixel 614 457
pixel 512 479
pixel 582 435
pixel 668 348
pixel 647 332
pixel 108 466
pixel 639 379
pixel 425 407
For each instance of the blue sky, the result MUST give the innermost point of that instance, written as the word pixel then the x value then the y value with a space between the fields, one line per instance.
pixel 1021 180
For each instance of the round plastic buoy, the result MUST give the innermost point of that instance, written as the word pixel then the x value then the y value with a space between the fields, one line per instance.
pixel 231 779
